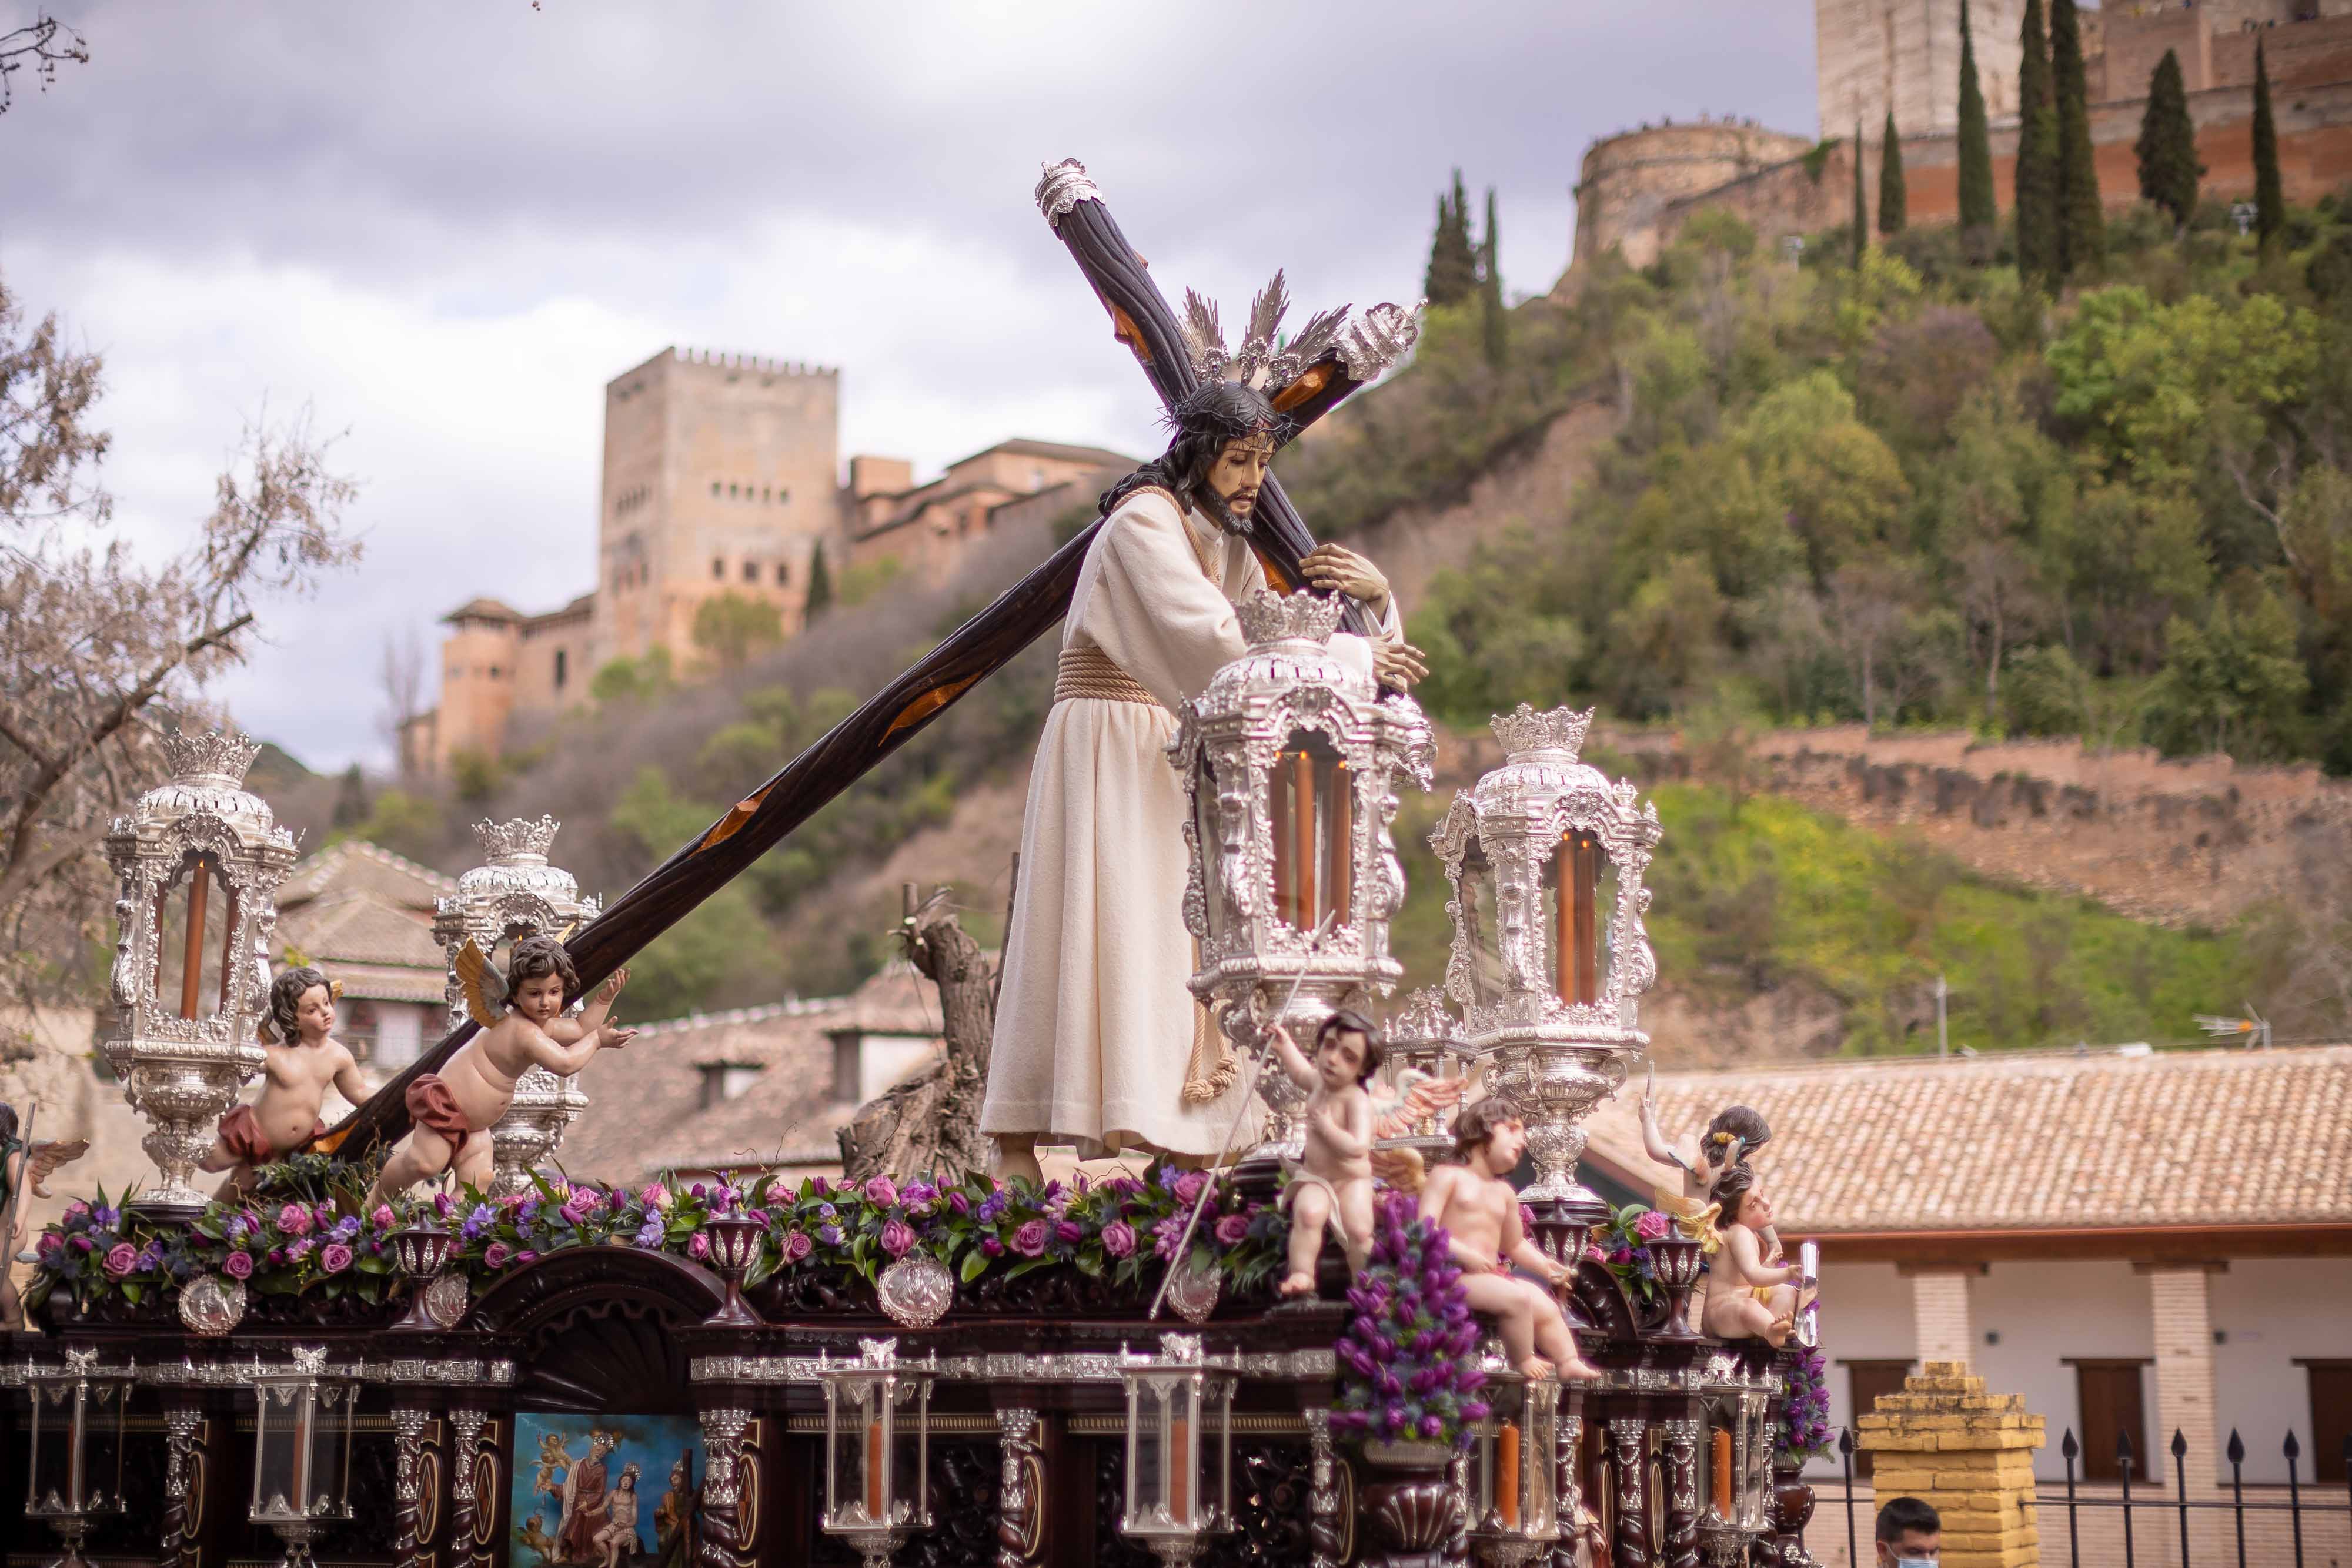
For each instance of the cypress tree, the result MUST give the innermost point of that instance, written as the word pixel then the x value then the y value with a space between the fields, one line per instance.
pixel 1861 207
pixel 820 586
pixel 2269 192
pixel 1893 202
pixel 2082 227
pixel 1978 211
pixel 2037 155
pixel 1453 274
pixel 1496 328
pixel 2167 143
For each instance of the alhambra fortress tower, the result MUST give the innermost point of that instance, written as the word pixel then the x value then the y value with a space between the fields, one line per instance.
pixel 1636 189
pixel 721 476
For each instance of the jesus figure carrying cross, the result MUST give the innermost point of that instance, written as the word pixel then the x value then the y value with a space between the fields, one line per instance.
pixel 1098 1041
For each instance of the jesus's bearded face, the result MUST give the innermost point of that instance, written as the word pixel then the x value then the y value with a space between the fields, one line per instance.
pixel 1235 477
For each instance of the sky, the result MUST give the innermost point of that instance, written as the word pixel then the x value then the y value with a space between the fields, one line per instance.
pixel 441 228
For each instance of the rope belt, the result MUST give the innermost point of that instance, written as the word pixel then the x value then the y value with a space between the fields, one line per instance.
pixel 1088 672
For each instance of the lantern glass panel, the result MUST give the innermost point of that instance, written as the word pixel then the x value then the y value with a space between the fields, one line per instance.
pixel 1482 926
pixel 860 1471
pixel 1312 804
pixel 103 1427
pixel 330 1450
pixel 1210 835
pixel 1579 895
pixel 1218 1481
pixel 281 1448
pixel 51 1484
pixel 1539 1462
pixel 1147 1493
pixel 1497 1466
pixel 910 1454
pixel 195 920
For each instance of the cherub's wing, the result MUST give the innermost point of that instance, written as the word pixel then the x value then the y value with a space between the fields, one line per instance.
pixel 43 1160
pixel 485 992
pixel 1420 1097
pixel 1400 1169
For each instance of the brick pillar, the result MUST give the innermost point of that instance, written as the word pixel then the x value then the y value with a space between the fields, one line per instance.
pixel 1967 1454
pixel 1942 1329
pixel 2181 1307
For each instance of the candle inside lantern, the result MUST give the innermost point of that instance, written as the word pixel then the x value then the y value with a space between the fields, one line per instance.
pixel 1180 1463
pixel 1506 1474
pixel 1302 845
pixel 1575 954
pixel 1719 1454
pixel 192 951
pixel 874 1460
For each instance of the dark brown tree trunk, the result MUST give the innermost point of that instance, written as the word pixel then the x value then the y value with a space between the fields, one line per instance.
pixel 930 1123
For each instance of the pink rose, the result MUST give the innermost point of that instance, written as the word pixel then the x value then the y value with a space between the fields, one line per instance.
pixel 897 1237
pixel 1527 1218
pixel 237 1265
pixel 495 1256
pixel 1594 1254
pixel 48 1243
pixel 699 1247
pixel 881 1192
pixel 1189 1185
pixel 382 1217
pixel 335 1258
pixel 121 1258
pixel 1118 1238
pixel 521 1259
pixel 655 1196
pixel 294 1219
pixel 1029 1239
pixel 1653 1226
pixel 797 1246
pixel 1233 1229
pixel 77 1209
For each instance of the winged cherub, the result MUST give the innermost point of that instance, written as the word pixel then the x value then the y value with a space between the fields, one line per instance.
pixel 304 1058
pixel 23 1165
pixel 522 1025
pixel 1735 1133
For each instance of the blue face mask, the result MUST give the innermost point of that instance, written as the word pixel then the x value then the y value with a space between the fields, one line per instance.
pixel 1923 1559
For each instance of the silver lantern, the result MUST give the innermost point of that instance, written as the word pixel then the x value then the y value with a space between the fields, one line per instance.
pixel 877 1450
pixel 303 1419
pixel 198 862
pixel 1179 1457
pixel 1735 1462
pixel 515 893
pixel 1291 757
pixel 1513 1481
pixel 75 1442
pixel 1546 855
pixel 1425 1043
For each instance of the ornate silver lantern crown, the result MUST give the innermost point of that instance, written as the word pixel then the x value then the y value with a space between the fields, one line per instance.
pixel 210 758
pixel 515 842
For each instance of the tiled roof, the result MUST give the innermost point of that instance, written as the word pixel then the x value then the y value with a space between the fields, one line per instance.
pixel 357 866
pixel 385 983
pixel 360 928
pixel 484 609
pixel 2027 1140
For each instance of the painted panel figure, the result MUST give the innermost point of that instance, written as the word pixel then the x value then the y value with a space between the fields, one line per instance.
pixel 604 1491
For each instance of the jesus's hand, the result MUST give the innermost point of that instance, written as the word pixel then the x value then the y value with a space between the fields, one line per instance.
pixel 1398 664
pixel 1339 570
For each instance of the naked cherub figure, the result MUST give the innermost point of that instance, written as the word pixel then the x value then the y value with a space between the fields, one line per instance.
pixel 522 1025
pixel 1481 1215
pixel 1335 1178
pixel 303 1059
pixel 1735 1133
pixel 1747 1297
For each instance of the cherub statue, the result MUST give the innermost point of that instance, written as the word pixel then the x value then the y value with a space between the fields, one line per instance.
pixel 1481 1215
pixel 304 1057
pixel 1412 1105
pixel 1336 1175
pixel 522 1024
pixel 1729 1139
pixel 1747 1298
pixel 23 1165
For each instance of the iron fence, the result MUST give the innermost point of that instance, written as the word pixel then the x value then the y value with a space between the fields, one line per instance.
pixel 2299 1508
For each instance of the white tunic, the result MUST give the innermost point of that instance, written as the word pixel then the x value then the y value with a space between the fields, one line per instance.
pixel 1094 1026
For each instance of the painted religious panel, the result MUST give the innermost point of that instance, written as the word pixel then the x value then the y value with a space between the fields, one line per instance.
pixel 604 1491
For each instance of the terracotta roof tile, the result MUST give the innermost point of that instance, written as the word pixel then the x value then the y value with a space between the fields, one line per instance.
pixel 357 866
pixel 360 928
pixel 2027 1141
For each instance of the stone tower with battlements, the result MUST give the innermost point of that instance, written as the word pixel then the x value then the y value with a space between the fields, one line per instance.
pixel 1874 54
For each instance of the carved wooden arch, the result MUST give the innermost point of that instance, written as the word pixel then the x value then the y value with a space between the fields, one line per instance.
pixel 597 1327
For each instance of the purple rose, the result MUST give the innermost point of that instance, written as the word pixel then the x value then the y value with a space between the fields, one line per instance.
pixel 497 1255
pixel 898 1238
pixel 523 1258
pixel 444 1205
pixel 1069 1231
pixel 655 1196
pixel 382 1217
pixel 1231 1230
pixel 699 1248
pixel 797 1246
pixel 990 1246
pixel 48 1244
pixel 121 1258
pixel 919 1194
pixel 1595 1254
pixel 294 1219
pixel 1653 1226
pixel 881 1192
pixel 296 1251
pixel 820 1185
pixel 829 1234
pixel 324 1213
pixel 1030 1239
pixel 237 1265
pixel 1189 1185
pixel 1118 1238
pixel 758 1217
pixel 960 1203
pixel 580 1206
pixel 335 1258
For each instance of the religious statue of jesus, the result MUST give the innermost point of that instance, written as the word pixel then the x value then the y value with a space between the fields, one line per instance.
pixel 1098 1043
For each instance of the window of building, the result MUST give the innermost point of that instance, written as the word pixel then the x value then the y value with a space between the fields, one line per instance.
pixel 750 571
pixel 494 672
pixel 733 492
pixel 714 489
pixel 1865 1380
pixel 764 492
pixel 2108 1393
pixel 717 569
pixel 783 573
pixel 560 669
pixel 2331 1417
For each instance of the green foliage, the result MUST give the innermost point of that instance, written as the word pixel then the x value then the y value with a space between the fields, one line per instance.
pixel 866 578
pixel 1453 275
pixel 404 823
pixel 820 585
pixel 2269 192
pixel 1861 207
pixel 627 680
pixel 350 799
pixel 730 627
pixel 1894 200
pixel 1494 322
pixel 2233 683
pixel 1816 158
pixel 474 774
pixel 2040 253
pixel 2082 242
pixel 2169 168
pixel 720 943
pixel 1978 211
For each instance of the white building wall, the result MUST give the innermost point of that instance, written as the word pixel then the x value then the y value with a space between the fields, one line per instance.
pixel 2269 1310
pixel 400 1034
pixel 1866 1316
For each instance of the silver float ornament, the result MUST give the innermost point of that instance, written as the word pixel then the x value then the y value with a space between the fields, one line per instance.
pixel 1545 855
pixel 1291 757
pixel 916 1291
pixel 197 862
pixel 211 1305
pixel 516 893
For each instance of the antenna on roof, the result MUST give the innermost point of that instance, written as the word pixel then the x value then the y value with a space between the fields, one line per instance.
pixel 2252 1031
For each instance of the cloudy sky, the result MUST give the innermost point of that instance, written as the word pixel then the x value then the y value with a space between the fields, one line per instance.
pixel 443 227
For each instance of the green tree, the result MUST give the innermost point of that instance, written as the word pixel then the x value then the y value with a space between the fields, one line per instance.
pixel 1495 325
pixel 2082 227
pixel 820 585
pixel 624 680
pixel 2231 684
pixel 1453 275
pixel 2167 145
pixel 2038 250
pixel 406 824
pixel 1861 206
pixel 350 799
pixel 1894 202
pixel 730 627
pixel 2270 194
pixel 1977 210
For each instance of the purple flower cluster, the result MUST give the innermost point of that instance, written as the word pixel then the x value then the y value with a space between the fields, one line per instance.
pixel 1805 1414
pixel 1408 1361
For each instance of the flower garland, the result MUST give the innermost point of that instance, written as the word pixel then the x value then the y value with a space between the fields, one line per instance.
pixel 1623 1244
pixel 1408 1361
pixel 1805 1413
